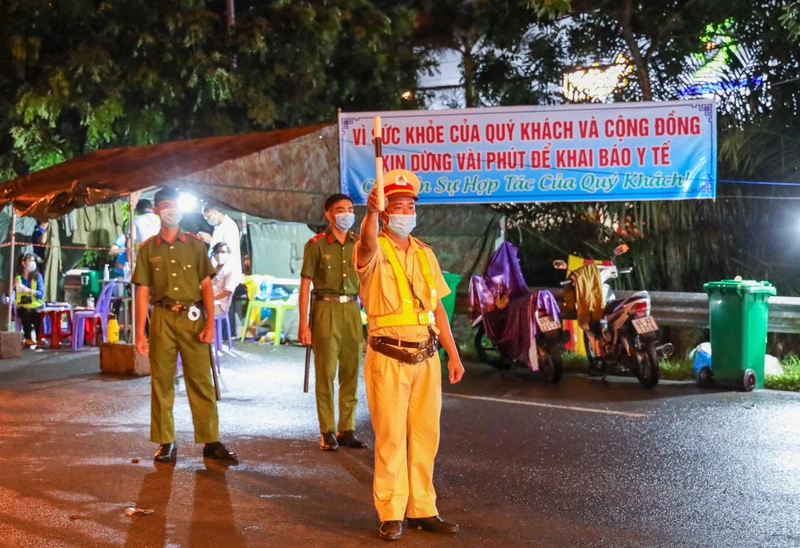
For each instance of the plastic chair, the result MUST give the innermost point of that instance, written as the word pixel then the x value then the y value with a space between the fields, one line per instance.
pixel 101 311
pixel 280 307
pixel 46 316
pixel 225 319
pixel 54 316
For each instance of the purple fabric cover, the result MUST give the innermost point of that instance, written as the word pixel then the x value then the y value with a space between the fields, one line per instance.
pixel 512 327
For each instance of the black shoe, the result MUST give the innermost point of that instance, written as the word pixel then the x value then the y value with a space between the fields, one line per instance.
pixel 391 530
pixel 167 452
pixel 218 451
pixel 348 439
pixel 434 524
pixel 327 442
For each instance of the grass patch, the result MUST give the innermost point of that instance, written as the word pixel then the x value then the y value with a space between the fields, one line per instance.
pixel 677 370
pixel 574 363
pixel 790 380
pixel 467 351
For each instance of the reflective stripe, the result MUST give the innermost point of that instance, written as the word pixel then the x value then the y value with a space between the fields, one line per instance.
pixel 427 275
pixel 408 316
pixel 34 302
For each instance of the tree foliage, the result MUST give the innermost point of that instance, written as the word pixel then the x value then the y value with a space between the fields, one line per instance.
pixel 77 75
pixel 679 246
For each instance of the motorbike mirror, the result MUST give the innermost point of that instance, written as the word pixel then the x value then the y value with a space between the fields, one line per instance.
pixel 621 250
pixel 559 265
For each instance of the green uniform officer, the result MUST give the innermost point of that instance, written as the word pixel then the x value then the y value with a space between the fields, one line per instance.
pixel 335 333
pixel 174 273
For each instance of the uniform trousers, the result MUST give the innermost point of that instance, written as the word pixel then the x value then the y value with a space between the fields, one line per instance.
pixel 405 401
pixel 170 333
pixel 336 340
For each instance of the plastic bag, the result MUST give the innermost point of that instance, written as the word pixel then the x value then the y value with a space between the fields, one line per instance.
pixel 702 357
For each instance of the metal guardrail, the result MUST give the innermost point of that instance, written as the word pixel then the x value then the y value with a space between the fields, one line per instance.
pixel 691 309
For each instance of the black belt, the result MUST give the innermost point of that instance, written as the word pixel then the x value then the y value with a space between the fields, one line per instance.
pixel 389 347
pixel 335 298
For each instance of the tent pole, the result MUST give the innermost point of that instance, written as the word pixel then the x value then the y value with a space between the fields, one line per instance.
pixel 132 263
pixel 12 250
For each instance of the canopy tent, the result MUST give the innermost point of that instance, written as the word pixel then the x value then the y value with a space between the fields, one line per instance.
pixel 281 174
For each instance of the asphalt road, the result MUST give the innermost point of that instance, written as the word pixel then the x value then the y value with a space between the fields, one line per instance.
pixel 585 463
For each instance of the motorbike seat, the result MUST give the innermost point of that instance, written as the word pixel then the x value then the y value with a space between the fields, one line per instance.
pixel 612 306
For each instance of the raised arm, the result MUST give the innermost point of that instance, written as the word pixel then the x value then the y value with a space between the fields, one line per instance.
pixel 368 245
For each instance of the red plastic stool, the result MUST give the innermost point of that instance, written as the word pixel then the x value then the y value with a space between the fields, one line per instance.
pixel 90 331
pixel 57 333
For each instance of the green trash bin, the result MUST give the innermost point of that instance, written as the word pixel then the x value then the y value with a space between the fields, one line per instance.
pixel 91 283
pixel 739 313
pixel 449 302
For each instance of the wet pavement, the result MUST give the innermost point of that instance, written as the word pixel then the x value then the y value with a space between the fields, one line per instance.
pixel 521 463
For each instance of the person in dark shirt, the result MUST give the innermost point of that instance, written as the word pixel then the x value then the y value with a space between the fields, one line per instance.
pixel 40 237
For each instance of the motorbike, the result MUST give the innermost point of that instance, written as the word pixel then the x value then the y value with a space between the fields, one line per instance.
pixel 627 335
pixel 507 318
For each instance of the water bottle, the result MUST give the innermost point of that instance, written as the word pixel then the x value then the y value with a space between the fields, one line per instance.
pixel 90 303
pixel 127 270
pixel 106 274
pixel 113 329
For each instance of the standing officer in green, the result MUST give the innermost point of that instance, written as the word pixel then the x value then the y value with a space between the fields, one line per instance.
pixel 174 273
pixel 336 322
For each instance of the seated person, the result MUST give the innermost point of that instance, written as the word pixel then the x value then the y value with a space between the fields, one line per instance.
pixel 29 286
pixel 227 279
pixel 120 252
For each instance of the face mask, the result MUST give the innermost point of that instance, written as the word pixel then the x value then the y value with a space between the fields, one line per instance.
pixel 402 225
pixel 171 217
pixel 222 258
pixel 212 221
pixel 344 221
pixel 31 267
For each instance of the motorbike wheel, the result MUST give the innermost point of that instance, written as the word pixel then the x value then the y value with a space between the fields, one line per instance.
pixel 649 371
pixel 487 352
pixel 551 366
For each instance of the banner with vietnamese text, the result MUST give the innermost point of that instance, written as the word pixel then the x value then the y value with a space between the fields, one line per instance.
pixel 564 153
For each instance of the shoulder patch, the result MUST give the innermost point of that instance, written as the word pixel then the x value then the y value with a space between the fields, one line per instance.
pixel 317 238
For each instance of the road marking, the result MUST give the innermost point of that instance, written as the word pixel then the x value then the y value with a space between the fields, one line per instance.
pixel 551 406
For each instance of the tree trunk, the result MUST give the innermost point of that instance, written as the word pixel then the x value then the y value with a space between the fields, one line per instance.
pixel 639 62
pixel 469 64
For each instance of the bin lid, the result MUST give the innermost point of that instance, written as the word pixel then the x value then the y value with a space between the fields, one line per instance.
pixel 742 286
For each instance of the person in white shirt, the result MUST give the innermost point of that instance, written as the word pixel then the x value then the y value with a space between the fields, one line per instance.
pixel 226 281
pixel 225 230
pixel 146 224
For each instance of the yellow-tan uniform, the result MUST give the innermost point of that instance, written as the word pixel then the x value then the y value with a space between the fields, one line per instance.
pixel 405 400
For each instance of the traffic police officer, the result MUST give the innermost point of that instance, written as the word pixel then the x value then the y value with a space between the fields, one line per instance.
pixel 401 289
pixel 335 331
pixel 174 273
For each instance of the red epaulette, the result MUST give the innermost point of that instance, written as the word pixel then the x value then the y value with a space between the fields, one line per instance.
pixel 421 243
pixel 317 238
pixel 146 241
